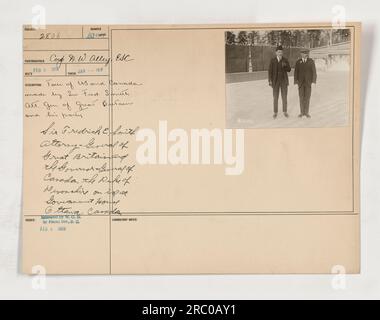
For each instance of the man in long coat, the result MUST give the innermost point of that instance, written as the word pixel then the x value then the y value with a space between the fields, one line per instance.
pixel 278 79
pixel 305 76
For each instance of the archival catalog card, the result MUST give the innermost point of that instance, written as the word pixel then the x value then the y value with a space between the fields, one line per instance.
pixel 205 149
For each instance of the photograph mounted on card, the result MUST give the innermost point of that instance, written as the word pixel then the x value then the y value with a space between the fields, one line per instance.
pixel 191 149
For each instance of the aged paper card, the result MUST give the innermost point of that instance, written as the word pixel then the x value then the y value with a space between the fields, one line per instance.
pixel 191 149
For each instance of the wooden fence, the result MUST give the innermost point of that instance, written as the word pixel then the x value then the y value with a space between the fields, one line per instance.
pixel 238 57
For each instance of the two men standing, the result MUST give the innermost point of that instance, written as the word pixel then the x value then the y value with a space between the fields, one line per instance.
pixel 304 76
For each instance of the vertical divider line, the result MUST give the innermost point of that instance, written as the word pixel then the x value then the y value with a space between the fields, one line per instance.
pixel 112 134
pixel 111 147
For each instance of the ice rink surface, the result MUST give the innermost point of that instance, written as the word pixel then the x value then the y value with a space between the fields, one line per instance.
pixel 250 102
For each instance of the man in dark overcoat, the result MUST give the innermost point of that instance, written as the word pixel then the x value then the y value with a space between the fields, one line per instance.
pixel 278 79
pixel 305 76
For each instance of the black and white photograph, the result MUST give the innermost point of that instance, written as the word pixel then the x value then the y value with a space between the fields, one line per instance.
pixel 189 157
pixel 288 78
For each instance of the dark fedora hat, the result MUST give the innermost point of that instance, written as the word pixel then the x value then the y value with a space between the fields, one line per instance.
pixel 279 47
pixel 305 50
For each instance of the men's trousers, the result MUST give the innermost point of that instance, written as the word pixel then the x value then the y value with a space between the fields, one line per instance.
pixel 305 94
pixel 284 95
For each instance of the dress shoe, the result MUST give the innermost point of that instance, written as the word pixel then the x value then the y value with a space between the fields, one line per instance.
pixel 286 115
pixel 275 116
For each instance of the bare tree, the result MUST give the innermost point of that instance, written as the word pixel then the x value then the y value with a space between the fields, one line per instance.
pixel 242 38
pixel 230 38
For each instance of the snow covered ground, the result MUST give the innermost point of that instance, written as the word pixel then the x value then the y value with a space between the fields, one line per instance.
pixel 250 102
